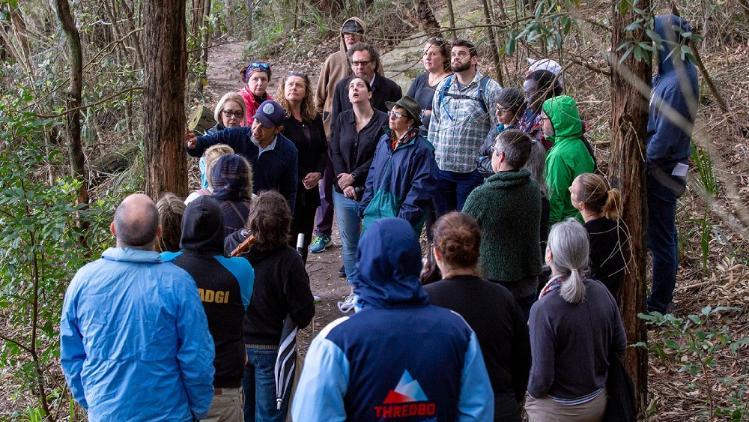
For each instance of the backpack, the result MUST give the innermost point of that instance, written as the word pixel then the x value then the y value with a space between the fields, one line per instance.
pixel 449 81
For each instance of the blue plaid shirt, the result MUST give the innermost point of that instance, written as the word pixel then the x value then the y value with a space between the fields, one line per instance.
pixel 459 126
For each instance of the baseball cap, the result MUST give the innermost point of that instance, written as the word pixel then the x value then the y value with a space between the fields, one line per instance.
pixel 270 114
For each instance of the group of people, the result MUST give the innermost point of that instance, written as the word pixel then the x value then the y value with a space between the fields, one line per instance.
pixel 525 246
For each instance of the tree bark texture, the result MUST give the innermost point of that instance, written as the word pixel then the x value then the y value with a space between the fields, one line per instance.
pixel 73 98
pixel 426 18
pixel 164 98
pixel 451 15
pixel 629 116
pixel 492 42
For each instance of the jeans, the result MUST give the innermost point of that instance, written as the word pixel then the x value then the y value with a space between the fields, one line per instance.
pixel 349 227
pixel 453 189
pixel 324 215
pixel 260 387
pixel 663 244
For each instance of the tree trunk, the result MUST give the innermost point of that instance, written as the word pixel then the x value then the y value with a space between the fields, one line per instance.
pixel 164 98
pixel 73 98
pixel 426 19
pixel 248 26
pixel 629 116
pixel 492 42
pixel 451 15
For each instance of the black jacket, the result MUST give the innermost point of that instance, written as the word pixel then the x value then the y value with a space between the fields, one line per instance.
pixel 383 90
pixel 281 288
pixel 225 285
pixel 312 147
pixel 608 245
pixel 494 315
pixel 275 169
pixel 351 151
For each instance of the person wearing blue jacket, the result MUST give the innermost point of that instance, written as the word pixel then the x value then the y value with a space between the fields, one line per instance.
pixel 273 156
pixel 668 140
pixel 134 340
pixel 397 357
pixel 225 286
pixel 403 176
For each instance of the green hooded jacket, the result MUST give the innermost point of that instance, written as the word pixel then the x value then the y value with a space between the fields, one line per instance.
pixel 567 158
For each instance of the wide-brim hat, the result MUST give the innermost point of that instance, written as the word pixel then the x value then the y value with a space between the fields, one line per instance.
pixel 411 106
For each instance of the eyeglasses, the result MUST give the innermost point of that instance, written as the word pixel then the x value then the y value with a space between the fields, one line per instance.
pixel 230 114
pixel 395 114
pixel 542 118
pixel 361 63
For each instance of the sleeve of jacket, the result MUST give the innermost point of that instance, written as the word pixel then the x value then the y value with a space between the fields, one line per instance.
pixel 195 350
pixel 336 157
pixel 289 184
pixel 363 168
pixel 369 185
pixel 321 93
pixel 558 178
pixel 396 92
pixel 412 89
pixel 229 136
pixel 323 383
pixel 476 402
pixel 542 353
pixel 337 98
pixel 423 185
pixel 297 292
pixel 72 353
pixel 665 132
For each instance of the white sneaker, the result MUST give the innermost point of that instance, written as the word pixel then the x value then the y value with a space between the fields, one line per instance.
pixel 347 304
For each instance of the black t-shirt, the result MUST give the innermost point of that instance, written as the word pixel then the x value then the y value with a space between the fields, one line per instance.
pixel 608 243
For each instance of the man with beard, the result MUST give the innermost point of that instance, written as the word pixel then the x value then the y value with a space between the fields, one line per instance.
pixel 462 118
pixel 273 156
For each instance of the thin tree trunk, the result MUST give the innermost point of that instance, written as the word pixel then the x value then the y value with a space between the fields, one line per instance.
pixel 426 18
pixel 136 43
pixel 250 10
pixel 492 42
pixel 73 100
pixel 164 98
pixel 451 15
pixel 629 115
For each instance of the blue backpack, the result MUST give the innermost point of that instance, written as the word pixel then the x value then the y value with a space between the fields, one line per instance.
pixel 482 88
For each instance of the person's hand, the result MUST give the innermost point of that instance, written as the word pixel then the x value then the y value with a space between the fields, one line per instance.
pixel 190 139
pixel 344 180
pixel 349 192
pixel 311 180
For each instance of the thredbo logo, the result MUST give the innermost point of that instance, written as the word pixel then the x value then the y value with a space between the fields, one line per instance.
pixel 406 400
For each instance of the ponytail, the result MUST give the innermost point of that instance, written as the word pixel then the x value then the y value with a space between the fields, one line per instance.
pixel 613 204
pixel 573 289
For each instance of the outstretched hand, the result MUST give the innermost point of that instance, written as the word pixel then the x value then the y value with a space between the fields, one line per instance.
pixel 191 140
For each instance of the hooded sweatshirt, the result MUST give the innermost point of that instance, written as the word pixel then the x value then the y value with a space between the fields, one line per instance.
pixel 508 209
pixel 567 158
pixel 380 363
pixel 667 143
pixel 232 184
pixel 225 285
pixel 335 68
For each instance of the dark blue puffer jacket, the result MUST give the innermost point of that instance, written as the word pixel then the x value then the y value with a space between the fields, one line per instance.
pixel 676 86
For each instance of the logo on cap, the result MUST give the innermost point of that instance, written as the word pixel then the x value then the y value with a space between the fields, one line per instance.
pixel 268 108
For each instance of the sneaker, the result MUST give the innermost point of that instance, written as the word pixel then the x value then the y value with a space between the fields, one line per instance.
pixel 342 272
pixel 319 243
pixel 347 304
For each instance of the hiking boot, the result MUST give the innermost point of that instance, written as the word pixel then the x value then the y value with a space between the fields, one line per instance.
pixel 319 243
pixel 347 304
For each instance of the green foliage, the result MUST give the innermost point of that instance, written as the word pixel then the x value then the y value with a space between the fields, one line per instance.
pixel 41 246
pixel 696 344
pixel 708 185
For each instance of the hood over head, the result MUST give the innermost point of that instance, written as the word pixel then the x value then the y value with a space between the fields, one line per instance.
pixel 203 227
pixel 231 178
pixel 389 262
pixel 349 24
pixel 564 116
pixel 670 28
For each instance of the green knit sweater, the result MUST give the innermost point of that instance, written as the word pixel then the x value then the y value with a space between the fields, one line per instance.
pixel 508 209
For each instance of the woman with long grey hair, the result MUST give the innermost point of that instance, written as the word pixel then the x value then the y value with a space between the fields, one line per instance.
pixel 574 327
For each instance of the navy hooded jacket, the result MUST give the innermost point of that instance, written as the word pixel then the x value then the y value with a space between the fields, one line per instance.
pixel 225 285
pixel 398 357
pixel 676 86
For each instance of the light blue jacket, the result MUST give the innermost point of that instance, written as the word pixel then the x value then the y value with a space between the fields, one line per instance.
pixel 134 340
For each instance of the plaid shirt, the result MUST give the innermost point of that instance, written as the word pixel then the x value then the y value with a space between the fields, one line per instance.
pixel 459 127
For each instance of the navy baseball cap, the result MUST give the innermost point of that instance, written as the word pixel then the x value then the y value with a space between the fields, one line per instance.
pixel 270 114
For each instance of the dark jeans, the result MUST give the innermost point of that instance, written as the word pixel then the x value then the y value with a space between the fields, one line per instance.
pixel 324 216
pixel 303 222
pixel 259 387
pixel 663 244
pixel 453 189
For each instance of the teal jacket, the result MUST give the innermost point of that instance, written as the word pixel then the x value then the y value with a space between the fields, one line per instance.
pixel 567 158
pixel 401 182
